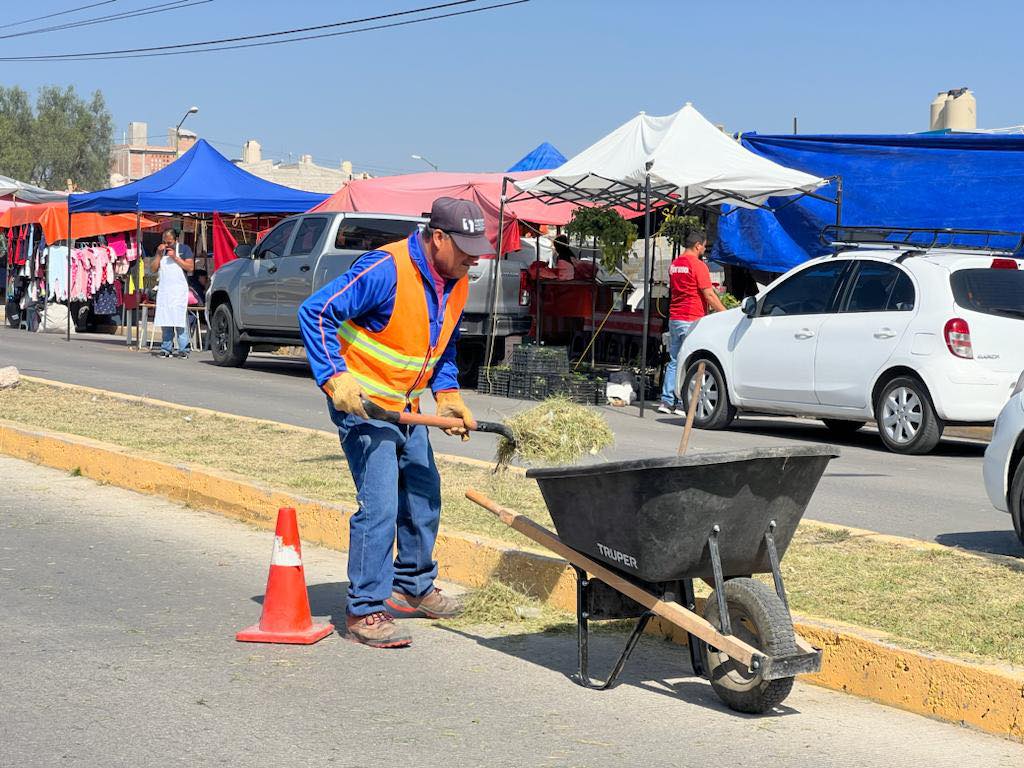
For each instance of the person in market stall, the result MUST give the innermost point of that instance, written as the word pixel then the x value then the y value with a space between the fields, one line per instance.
pixel 172 260
pixel 692 296
pixel 386 331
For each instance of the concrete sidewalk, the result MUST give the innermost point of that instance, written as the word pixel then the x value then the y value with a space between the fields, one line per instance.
pixel 117 620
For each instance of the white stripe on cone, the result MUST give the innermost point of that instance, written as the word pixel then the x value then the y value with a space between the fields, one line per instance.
pixel 284 554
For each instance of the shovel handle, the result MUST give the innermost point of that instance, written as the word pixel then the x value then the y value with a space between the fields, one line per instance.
pixel 374 411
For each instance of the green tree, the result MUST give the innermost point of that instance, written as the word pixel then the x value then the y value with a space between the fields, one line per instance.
pixel 16 121
pixel 65 138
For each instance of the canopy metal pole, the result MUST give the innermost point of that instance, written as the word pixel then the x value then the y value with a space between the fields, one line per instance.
pixel 132 271
pixel 67 287
pixel 495 281
pixel 647 287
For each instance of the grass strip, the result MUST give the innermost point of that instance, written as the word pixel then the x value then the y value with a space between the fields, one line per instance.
pixel 935 600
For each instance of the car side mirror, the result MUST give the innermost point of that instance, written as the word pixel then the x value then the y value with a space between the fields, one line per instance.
pixel 749 306
pixel 244 251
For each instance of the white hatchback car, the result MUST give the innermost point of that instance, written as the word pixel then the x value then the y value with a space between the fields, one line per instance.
pixel 1004 461
pixel 912 338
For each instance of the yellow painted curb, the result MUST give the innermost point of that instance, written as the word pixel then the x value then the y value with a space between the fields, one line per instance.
pixel 855 661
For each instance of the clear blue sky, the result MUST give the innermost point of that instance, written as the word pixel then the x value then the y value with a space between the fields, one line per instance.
pixel 477 92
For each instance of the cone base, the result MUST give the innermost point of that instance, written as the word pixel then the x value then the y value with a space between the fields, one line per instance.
pixel 309 636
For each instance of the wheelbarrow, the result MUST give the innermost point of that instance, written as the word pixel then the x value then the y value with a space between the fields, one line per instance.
pixel 638 533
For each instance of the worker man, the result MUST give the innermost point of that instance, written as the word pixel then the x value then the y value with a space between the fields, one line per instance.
pixel 692 297
pixel 385 331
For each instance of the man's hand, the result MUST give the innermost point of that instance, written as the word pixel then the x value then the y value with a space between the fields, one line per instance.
pixel 451 405
pixel 346 394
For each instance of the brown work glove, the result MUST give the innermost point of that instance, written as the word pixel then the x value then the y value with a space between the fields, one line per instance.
pixel 451 405
pixel 346 394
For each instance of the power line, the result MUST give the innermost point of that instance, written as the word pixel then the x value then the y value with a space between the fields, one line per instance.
pixel 171 50
pixel 144 11
pixel 58 13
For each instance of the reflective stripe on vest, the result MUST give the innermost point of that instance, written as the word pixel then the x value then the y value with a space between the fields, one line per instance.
pixel 395 364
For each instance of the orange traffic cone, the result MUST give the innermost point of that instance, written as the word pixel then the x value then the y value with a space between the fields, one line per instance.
pixel 286 617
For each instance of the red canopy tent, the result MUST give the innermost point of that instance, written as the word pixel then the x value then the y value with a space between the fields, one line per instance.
pixel 412 195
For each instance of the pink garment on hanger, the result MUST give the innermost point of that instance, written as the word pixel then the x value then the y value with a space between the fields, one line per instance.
pixel 118 244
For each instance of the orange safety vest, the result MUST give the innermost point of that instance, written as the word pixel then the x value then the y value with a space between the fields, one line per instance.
pixel 394 365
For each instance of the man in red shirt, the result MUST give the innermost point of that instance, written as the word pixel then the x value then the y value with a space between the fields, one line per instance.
pixel 692 297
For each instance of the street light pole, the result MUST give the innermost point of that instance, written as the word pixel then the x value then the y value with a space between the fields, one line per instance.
pixel 421 157
pixel 177 128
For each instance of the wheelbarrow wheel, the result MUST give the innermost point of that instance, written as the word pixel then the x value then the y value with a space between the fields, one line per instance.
pixel 759 618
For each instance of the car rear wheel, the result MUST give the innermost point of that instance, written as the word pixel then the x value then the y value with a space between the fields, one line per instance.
pixel 228 351
pixel 1017 501
pixel 841 427
pixel 714 411
pixel 906 418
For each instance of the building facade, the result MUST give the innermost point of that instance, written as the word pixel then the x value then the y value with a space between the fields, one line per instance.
pixel 136 157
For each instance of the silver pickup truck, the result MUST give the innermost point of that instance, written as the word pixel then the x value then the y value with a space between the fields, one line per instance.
pixel 253 301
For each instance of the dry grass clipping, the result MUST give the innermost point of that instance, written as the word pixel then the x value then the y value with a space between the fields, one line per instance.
pixel 555 433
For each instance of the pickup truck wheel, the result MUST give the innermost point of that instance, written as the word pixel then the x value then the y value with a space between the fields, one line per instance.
pixel 228 351
pixel 1017 501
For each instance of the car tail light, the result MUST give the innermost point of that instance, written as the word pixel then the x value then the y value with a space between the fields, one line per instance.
pixel 524 289
pixel 958 338
pixel 1004 264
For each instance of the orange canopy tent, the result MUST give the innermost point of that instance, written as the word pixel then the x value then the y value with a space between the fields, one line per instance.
pixel 53 218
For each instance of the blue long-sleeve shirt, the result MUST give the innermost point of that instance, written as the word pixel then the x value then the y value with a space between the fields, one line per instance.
pixel 366 295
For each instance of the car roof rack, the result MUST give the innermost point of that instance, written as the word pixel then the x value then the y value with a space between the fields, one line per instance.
pixel 920 239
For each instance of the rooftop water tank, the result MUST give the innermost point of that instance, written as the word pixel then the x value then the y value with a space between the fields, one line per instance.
pixel 961 112
pixel 937 119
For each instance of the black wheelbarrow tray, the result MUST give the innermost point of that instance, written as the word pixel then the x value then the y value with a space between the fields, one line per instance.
pixel 638 533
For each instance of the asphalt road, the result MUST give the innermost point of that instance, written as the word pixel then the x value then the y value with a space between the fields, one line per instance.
pixel 117 620
pixel 938 497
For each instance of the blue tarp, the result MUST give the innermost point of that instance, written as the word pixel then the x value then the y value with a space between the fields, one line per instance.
pixel 200 181
pixel 543 158
pixel 966 181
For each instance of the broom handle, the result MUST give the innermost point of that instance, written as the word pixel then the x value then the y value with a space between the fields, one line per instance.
pixel 691 409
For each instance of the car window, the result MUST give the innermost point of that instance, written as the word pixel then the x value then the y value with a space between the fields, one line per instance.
pixel 880 287
pixel 370 234
pixel 810 292
pixel 273 244
pixel 308 235
pixel 992 291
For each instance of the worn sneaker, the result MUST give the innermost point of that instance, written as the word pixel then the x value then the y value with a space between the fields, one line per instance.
pixel 664 408
pixel 181 355
pixel 165 354
pixel 433 605
pixel 378 630
pixel 679 411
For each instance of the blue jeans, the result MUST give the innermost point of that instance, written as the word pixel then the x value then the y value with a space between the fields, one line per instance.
pixel 677 330
pixel 169 334
pixel 399 492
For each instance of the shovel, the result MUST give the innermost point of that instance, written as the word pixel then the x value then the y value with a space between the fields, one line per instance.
pixel 374 411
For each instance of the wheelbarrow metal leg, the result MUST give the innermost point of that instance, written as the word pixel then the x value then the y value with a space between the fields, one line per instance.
pixel 716 568
pixel 693 643
pixel 582 676
pixel 773 557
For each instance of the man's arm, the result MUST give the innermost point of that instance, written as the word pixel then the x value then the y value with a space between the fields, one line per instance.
pixel 368 285
pixel 711 300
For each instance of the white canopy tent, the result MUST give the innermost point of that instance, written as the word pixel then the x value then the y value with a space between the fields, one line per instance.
pixel 680 159
pixel 28 193
pixel 687 159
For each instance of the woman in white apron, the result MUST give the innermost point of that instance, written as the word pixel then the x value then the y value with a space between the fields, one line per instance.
pixel 172 259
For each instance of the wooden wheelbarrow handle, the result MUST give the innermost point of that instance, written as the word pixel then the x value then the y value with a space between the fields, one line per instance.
pixel 374 411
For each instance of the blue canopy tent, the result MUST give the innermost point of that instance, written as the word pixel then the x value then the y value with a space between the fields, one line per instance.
pixel 965 181
pixel 542 158
pixel 202 181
